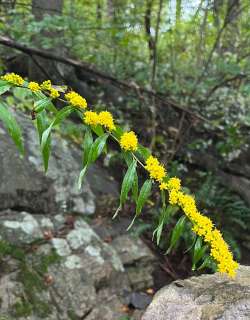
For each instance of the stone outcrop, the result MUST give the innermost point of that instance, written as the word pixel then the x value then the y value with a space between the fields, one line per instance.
pixel 207 297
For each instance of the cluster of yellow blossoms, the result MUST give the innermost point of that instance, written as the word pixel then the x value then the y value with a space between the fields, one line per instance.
pixel 76 100
pixel 33 86
pixel 13 78
pixel 129 141
pixel 202 225
pixel 104 118
pixel 46 85
pixel 155 169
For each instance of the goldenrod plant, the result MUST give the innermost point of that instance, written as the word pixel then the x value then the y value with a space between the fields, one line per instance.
pixel 102 126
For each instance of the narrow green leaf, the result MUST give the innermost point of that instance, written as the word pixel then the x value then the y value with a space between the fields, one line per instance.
pixel 208 262
pixel 98 130
pixel 21 93
pixel 60 116
pixel 118 132
pixel 12 127
pixel 127 182
pixel 97 148
pixel 143 196
pixel 199 252
pixel 81 176
pixel 42 104
pixel 135 188
pixel 4 88
pixel 176 233
pixel 38 96
pixel 144 152
pixel 127 156
pixel 42 125
pixel 166 214
pixel 87 143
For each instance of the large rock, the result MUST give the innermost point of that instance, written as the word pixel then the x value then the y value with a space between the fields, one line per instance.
pixel 57 268
pixel 25 186
pixel 207 297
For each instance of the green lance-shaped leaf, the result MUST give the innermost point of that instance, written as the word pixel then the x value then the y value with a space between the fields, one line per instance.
pixel 176 233
pixel 208 262
pixel 87 143
pixel 143 196
pixel 81 176
pixel 4 87
pixel 21 93
pixel 91 152
pixel 135 188
pixel 118 132
pixel 60 116
pixel 39 96
pixel 127 182
pixel 165 215
pixel 42 104
pixel 42 125
pixel 98 130
pixel 143 152
pixel 199 252
pixel 97 148
pixel 12 127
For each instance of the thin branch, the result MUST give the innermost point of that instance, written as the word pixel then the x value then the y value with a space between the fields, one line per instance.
pixel 101 76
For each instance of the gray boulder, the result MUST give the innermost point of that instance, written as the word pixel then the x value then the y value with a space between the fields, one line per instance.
pixel 23 184
pixel 207 297
pixel 54 269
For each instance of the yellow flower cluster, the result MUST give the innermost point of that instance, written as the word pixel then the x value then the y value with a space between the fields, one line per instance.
pixel 129 141
pixel 13 78
pixel 46 85
pixel 155 169
pixel 172 184
pixel 203 227
pixel 76 100
pixel 91 118
pixel 34 86
pixel 104 118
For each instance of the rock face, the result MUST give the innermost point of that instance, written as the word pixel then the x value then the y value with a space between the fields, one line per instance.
pixel 207 297
pixel 57 267
pixel 23 184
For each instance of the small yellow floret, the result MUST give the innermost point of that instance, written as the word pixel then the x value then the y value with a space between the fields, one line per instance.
pixel 163 186
pixel 106 120
pixel 76 100
pixel 13 78
pixel 34 86
pixel 91 118
pixel 174 183
pixel 46 85
pixel 54 93
pixel 155 169
pixel 173 197
pixel 129 141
